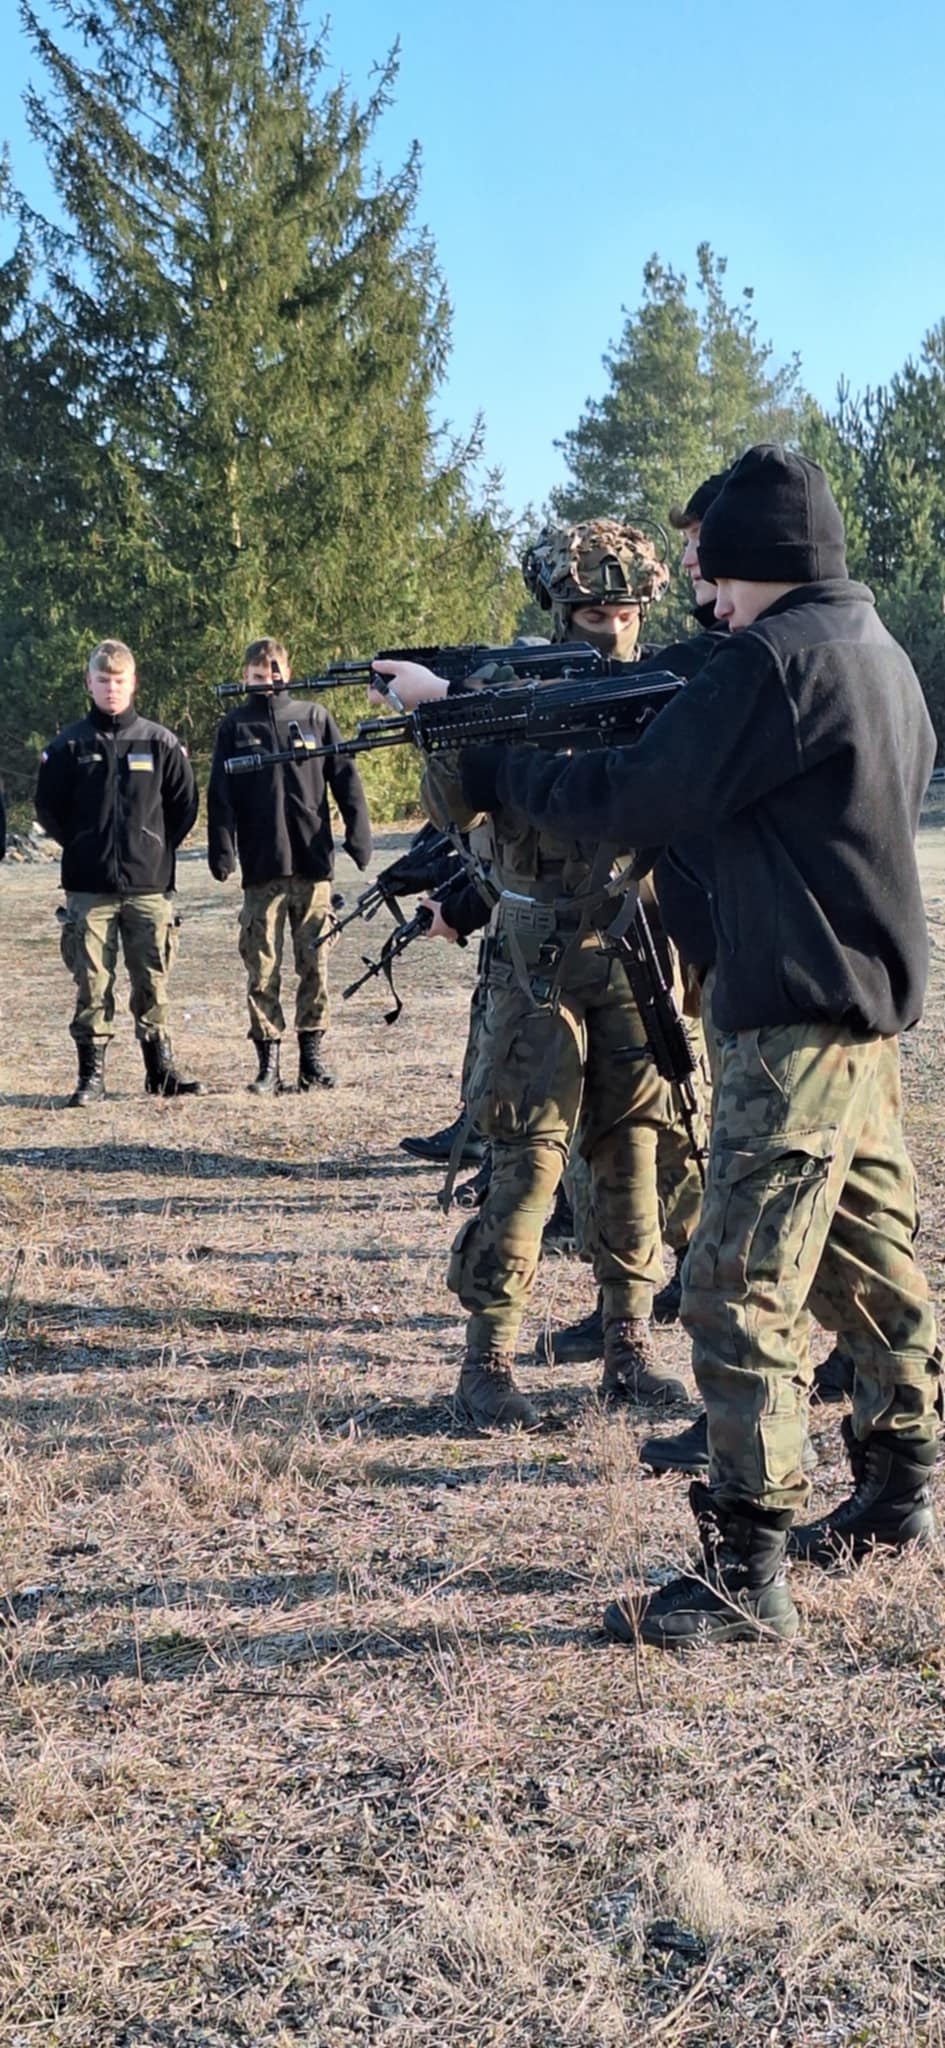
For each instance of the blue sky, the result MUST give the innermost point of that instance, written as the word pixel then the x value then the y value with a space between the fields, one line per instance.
pixel 562 145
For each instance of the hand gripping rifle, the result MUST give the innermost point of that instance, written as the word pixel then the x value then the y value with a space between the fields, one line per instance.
pixel 455 664
pixel 429 863
pixel 398 940
pixel 586 708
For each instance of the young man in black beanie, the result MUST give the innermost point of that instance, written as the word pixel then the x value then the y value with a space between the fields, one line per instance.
pixel 803 749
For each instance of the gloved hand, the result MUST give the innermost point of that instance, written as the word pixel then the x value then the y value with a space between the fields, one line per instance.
pixel 491 675
pixel 479 770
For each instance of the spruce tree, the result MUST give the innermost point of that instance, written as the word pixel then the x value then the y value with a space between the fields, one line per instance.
pixel 252 332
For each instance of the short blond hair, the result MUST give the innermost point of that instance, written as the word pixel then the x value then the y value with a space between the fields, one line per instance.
pixel 111 657
pixel 266 650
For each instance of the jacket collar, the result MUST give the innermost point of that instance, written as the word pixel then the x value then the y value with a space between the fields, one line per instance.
pixel 833 590
pixel 107 721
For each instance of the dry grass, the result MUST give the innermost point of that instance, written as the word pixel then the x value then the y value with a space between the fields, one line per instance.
pixel 308 1732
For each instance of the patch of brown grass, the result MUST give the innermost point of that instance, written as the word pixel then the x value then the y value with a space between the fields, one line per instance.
pixel 308 1732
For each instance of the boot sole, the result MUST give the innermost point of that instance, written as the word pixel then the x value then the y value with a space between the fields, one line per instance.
pixel 584 1356
pixel 724 1633
pixel 482 1428
pixel 840 1556
pixel 469 1156
pixel 694 1468
pixel 740 1629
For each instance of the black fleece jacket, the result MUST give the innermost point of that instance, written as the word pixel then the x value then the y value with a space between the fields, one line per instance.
pixel 279 821
pixel 802 751
pixel 119 795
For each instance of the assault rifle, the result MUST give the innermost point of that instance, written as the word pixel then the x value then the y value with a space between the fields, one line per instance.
pixel 666 1034
pixel 456 664
pixel 399 939
pixel 428 864
pixel 587 708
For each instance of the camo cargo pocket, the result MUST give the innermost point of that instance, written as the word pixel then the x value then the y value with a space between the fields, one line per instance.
pixel 762 1203
pixel 527 1079
pixel 458 1255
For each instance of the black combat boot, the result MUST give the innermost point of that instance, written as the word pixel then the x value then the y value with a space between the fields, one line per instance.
pixel 268 1080
pixel 160 1074
pixel 689 1451
pixel 91 1083
pixel 833 1379
pixel 488 1395
pixel 312 1070
pixel 473 1192
pixel 668 1302
pixel 891 1503
pixel 740 1595
pixel 577 1344
pixel 557 1238
pixel 631 1372
pixel 439 1145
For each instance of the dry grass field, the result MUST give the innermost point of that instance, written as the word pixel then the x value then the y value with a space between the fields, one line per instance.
pixel 308 1731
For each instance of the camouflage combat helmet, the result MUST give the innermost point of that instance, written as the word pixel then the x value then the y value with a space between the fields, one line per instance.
pixel 599 561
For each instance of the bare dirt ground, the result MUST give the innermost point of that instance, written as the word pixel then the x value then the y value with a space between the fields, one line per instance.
pixel 308 1731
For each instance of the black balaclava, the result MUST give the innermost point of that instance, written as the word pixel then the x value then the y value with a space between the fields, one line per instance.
pixel 612 644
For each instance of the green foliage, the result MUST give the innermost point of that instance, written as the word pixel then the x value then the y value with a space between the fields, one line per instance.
pixel 883 453
pixel 220 371
pixel 690 386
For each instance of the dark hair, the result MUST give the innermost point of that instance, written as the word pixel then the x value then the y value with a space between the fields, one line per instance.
pixel 265 650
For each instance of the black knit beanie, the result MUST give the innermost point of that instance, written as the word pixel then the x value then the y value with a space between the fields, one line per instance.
pixel 775 520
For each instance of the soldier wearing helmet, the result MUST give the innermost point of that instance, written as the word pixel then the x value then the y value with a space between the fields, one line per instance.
pixel 562 1041
pixel 598 580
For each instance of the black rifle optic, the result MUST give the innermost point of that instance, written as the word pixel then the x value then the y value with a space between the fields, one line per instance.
pixel 430 862
pixel 456 664
pixel 586 709
pixel 398 940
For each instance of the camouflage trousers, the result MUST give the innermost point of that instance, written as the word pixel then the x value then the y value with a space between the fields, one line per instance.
pixel 811 1197
pixel 678 1181
pixel 474 1037
pixel 539 1069
pixel 89 941
pixel 307 906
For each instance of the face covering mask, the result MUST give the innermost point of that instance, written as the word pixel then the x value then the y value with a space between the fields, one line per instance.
pixel 615 643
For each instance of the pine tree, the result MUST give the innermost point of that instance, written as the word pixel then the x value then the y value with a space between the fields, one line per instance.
pixel 252 332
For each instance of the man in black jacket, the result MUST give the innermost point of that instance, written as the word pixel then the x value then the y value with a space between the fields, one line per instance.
pixel 280 825
pixel 118 793
pixel 803 751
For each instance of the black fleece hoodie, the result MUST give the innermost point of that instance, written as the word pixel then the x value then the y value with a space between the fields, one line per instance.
pixel 118 793
pixel 279 821
pixel 802 751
